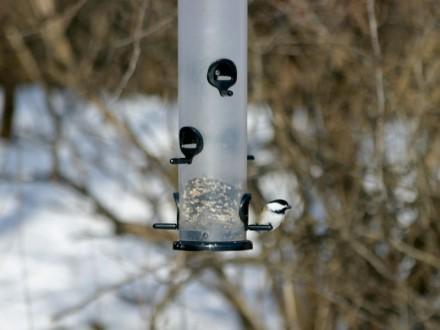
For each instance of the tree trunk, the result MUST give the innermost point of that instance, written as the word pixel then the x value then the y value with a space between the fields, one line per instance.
pixel 7 122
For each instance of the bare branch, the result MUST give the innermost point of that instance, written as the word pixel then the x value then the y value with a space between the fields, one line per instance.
pixel 136 51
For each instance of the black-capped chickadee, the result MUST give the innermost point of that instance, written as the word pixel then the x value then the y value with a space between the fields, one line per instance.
pixel 274 213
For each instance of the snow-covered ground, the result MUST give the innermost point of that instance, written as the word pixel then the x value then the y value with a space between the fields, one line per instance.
pixel 55 256
pixel 61 267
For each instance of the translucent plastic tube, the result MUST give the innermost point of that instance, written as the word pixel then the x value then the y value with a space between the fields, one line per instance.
pixel 213 35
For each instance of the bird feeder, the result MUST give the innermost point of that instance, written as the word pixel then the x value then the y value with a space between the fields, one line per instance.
pixel 212 201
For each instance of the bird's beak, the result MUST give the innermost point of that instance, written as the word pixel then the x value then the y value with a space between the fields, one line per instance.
pixel 288 207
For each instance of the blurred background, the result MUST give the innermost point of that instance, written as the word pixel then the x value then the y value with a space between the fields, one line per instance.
pixel 344 118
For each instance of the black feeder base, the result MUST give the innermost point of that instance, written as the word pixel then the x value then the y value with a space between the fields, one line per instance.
pixel 212 246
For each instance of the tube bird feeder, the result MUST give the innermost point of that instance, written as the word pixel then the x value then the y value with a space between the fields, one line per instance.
pixel 212 201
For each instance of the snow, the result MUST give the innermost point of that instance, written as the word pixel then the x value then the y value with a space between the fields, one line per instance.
pixel 57 254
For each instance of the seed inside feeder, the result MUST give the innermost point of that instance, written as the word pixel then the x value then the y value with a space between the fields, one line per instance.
pixel 209 205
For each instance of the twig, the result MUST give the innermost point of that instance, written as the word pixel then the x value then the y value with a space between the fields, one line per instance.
pixel 23 53
pixel 371 258
pixel 249 319
pixel 121 227
pixel 173 289
pixel 416 253
pixel 98 294
pixel 380 87
pixel 136 52
pixel 145 34
pixel 124 127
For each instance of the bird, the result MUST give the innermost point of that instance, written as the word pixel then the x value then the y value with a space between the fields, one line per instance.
pixel 274 213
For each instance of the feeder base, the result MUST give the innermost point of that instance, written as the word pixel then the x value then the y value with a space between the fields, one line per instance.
pixel 212 246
